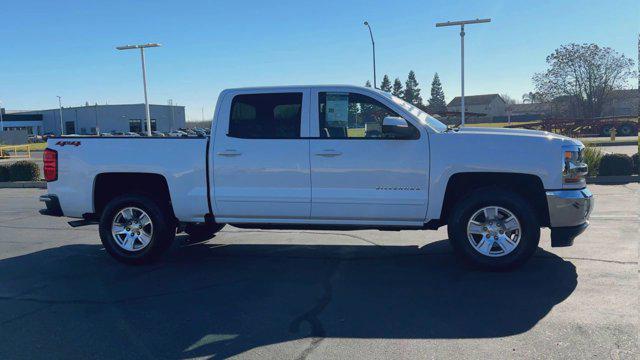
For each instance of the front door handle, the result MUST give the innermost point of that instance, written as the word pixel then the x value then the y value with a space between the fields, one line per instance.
pixel 329 153
pixel 229 153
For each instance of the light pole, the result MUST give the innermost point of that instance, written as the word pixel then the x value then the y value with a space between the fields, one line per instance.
pixel 60 107
pixel 144 78
pixel 1 120
pixel 170 102
pixel 373 44
pixel 462 24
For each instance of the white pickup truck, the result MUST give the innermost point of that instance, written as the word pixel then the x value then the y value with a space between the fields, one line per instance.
pixel 324 157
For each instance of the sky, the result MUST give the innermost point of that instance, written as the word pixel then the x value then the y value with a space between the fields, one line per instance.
pixel 67 48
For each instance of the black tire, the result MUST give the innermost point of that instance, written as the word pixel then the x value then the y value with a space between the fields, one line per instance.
pixel 162 236
pixel 202 232
pixel 511 201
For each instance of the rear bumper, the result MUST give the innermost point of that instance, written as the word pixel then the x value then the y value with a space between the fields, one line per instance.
pixel 53 205
pixel 569 212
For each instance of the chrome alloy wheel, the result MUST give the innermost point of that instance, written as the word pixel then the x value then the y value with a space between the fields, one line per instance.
pixel 494 231
pixel 132 229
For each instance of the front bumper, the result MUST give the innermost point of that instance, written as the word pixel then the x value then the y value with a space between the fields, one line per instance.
pixel 569 212
pixel 53 205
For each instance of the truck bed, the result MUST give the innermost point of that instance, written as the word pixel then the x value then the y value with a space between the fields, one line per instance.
pixel 181 161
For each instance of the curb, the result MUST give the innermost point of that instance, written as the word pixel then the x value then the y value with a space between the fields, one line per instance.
pixel 617 179
pixel 23 184
pixel 616 143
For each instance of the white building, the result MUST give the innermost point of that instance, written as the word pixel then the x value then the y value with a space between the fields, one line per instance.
pixel 485 106
pixel 92 119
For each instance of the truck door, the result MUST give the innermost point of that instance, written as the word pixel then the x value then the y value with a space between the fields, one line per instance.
pixel 260 156
pixel 359 172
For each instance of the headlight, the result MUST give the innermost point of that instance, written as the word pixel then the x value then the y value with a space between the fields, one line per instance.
pixel 574 169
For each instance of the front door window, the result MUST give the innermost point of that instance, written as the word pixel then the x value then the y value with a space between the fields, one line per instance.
pixel 351 116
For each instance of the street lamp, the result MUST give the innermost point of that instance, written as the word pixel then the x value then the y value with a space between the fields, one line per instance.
pixel 1 120
pixel 373 44
pixel 144 78
pixel 462 24
pixel 60 107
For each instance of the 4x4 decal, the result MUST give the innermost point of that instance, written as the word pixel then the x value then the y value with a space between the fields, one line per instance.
pixel 63 143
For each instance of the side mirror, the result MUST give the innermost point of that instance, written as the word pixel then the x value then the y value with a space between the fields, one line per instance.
pixel 397 128
pixel 394 121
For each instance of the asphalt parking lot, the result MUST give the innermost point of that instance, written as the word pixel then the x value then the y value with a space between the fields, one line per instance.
pixel 316 295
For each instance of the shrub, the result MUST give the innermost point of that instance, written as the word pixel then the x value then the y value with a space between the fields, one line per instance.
pixel 4 172
pixel 24 171
pixel 636 163
pixel 616 164
pixel 592 157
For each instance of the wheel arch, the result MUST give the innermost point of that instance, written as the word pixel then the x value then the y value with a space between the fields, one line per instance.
pixel 109 185
pixel 529 186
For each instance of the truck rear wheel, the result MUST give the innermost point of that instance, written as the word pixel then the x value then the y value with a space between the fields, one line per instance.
pixel 494 229
pixel 134 229
pixel 202 232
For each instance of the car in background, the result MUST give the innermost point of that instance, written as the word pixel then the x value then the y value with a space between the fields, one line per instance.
pixel 177 133
pixel 34 138
pixel 200 132
pixel 157 134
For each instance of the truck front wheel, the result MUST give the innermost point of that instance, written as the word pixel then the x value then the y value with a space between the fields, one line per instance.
pixel 134 229
pixel 494 229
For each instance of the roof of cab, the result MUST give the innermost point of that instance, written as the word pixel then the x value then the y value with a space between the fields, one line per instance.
pixel 285 87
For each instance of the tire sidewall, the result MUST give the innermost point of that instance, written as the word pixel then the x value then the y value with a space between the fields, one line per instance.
pixel 513 202
pixel 160 239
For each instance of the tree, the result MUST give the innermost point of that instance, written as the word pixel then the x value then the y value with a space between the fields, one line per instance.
pixel 508 99
pixel 585 75
pixel 533 97
pixel 397 88
pixel 367 84
pixel 385 85
pixel 436 101
pixel 412 91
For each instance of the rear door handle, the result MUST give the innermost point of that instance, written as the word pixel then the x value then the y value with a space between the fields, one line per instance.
pixel 229 153
pixel 329 153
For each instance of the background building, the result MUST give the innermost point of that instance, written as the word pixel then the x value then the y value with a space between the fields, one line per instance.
pixel 622 103
pixel 91 119
pixel 483 107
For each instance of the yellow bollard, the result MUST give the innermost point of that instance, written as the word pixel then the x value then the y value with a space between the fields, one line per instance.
pixel 613 134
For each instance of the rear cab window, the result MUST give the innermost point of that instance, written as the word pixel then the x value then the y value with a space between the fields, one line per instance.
pixel 266 116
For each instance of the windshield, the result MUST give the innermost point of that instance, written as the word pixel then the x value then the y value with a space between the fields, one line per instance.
pixel 424 118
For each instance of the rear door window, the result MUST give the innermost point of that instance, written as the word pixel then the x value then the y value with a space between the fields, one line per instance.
pixel 266 116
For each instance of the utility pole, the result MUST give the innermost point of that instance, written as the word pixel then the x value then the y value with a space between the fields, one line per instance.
pixel 462 33
pixel 373 44
pixel 144 78
pixel 61 122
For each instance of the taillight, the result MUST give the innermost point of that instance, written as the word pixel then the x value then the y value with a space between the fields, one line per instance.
pixel 50 160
